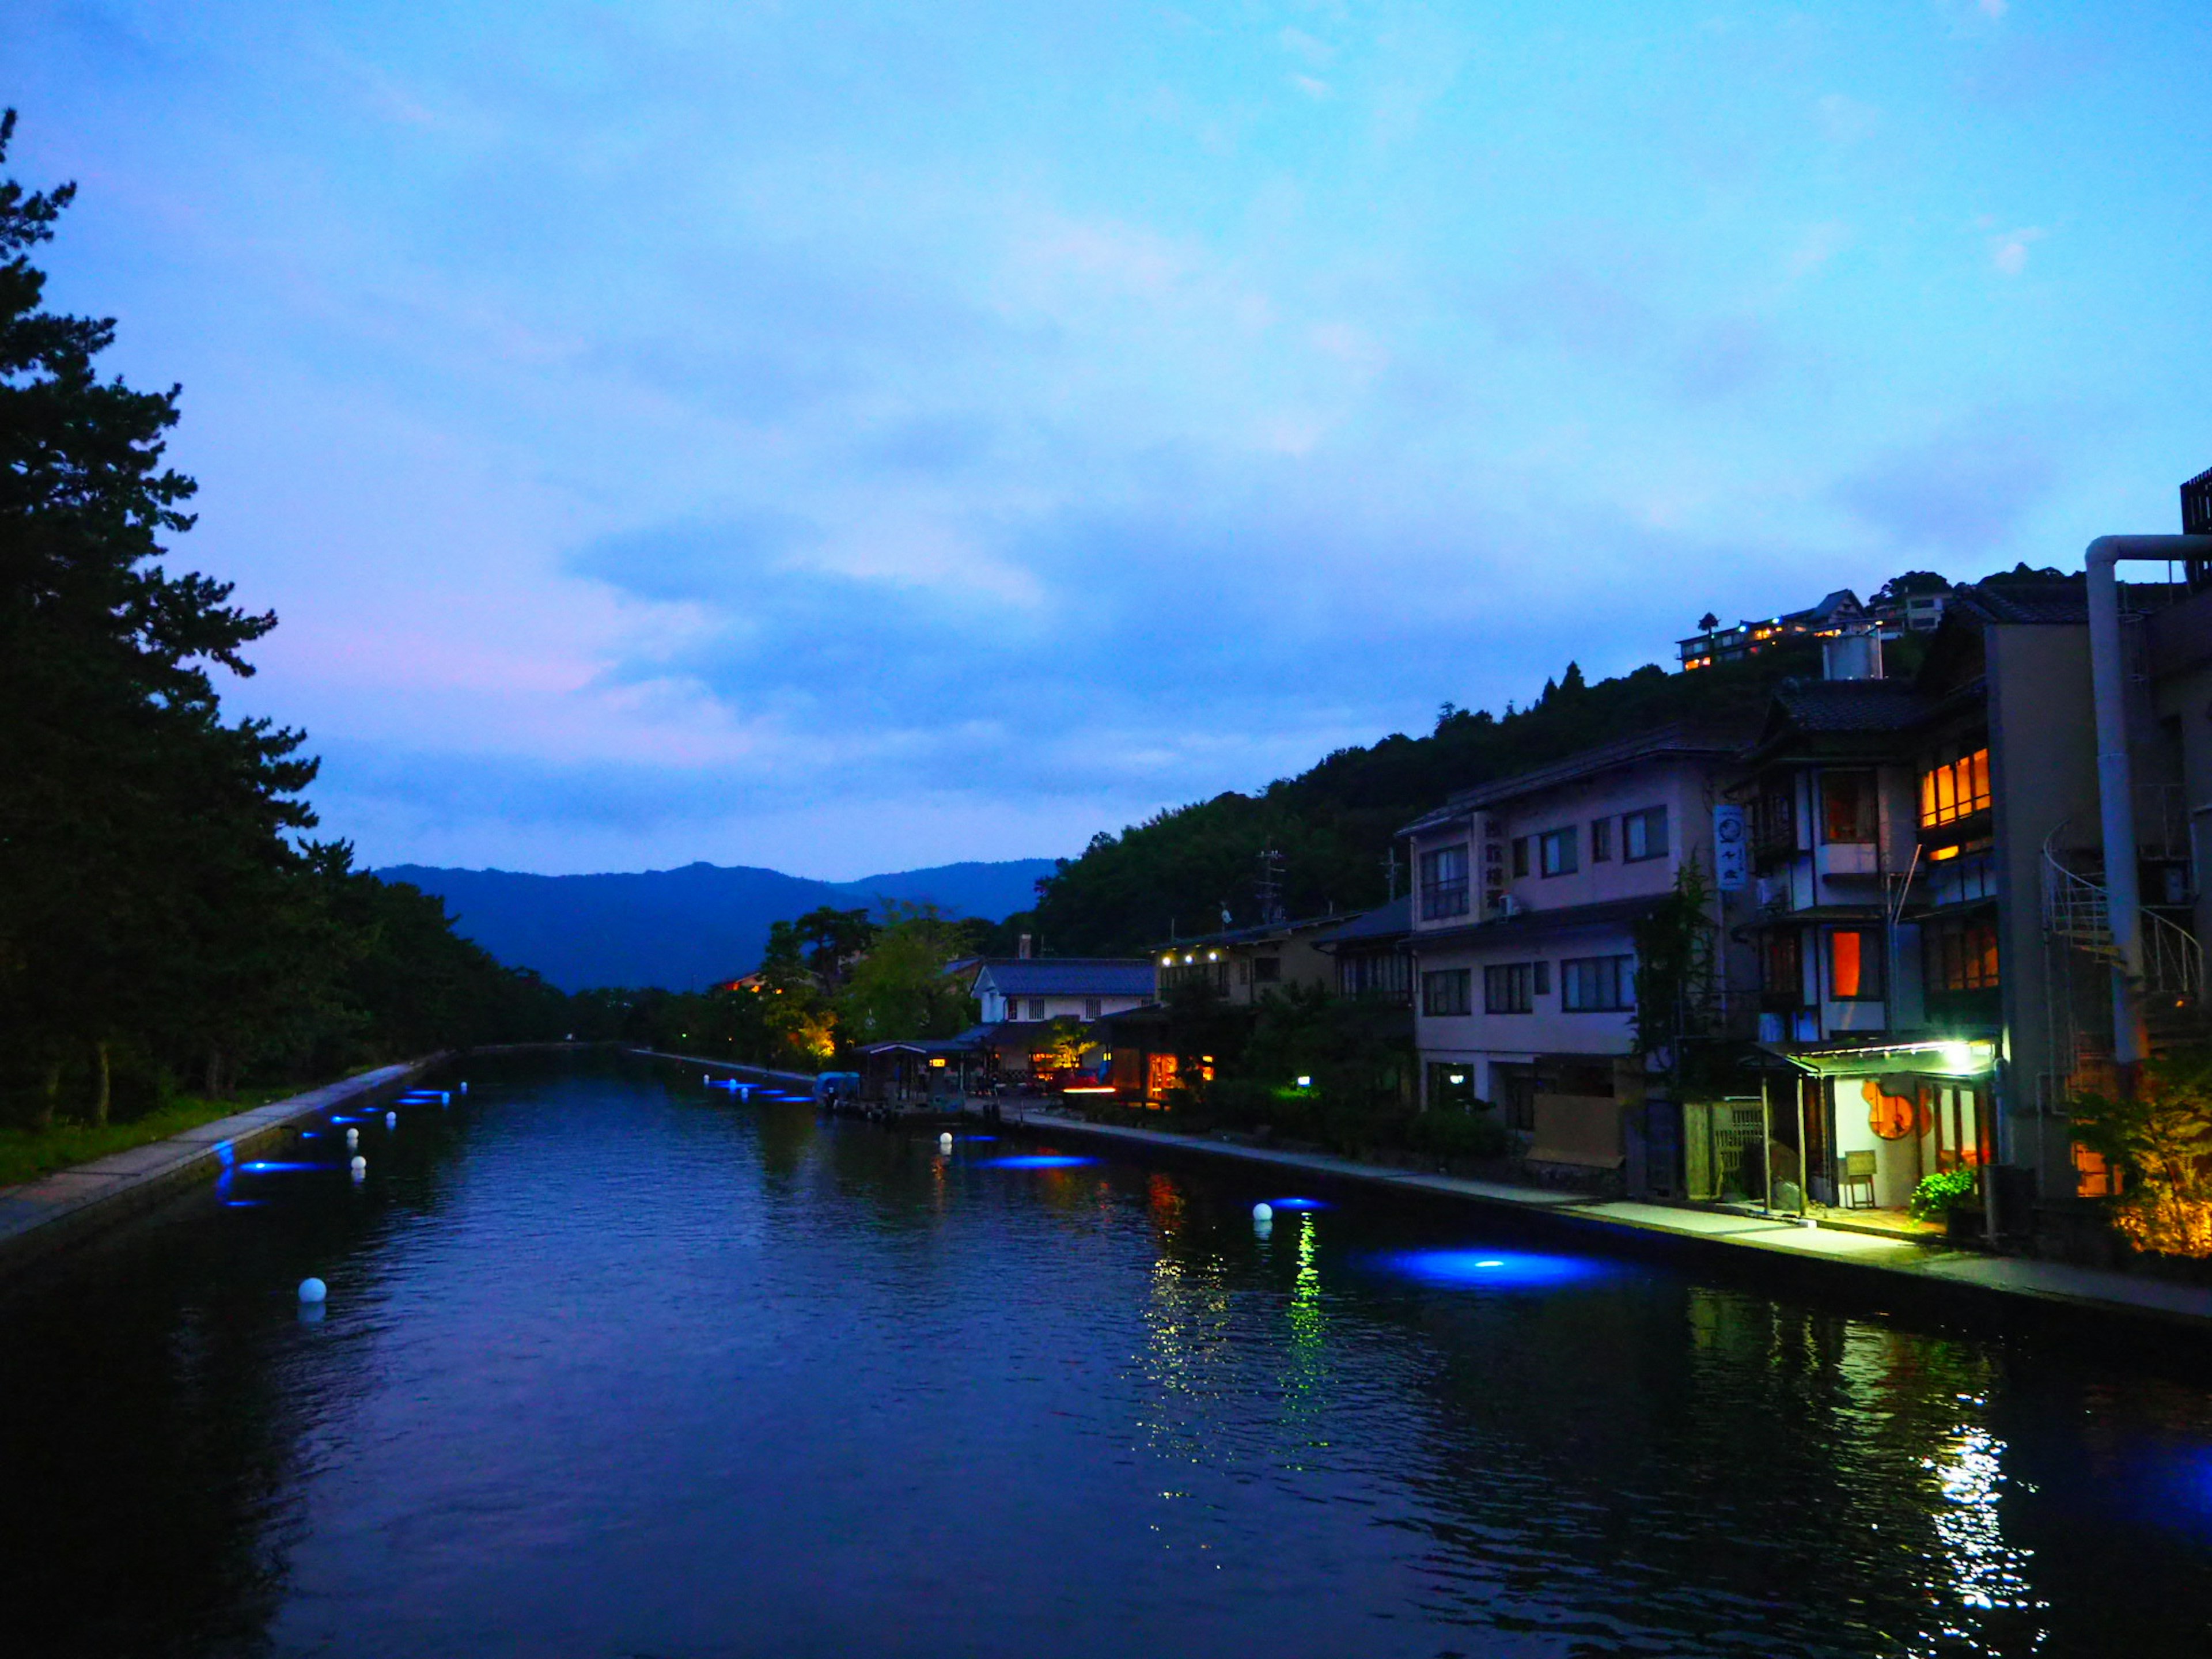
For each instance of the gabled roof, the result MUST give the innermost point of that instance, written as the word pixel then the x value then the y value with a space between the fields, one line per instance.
pixel 2063 602
pixel 1069 977
pixel 1383 923
pixel 1851 705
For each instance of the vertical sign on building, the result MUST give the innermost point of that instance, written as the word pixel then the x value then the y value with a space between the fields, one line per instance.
pixel 1731 858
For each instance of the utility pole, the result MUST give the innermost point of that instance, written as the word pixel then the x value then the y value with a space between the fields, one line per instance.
pixel 1271 886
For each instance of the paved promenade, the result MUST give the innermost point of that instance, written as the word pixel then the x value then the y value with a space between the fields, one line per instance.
pixel 40 1214
pixel 1993 1281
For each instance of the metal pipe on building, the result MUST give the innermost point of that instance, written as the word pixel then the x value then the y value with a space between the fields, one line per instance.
pixel 2108 683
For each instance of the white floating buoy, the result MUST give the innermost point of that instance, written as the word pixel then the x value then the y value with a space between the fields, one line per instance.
pixel 392 1120
pixel 944 1141
pixel 312 1290
pixel 1263 1212
pixel 465 1087
pixel 360 1164
pixel 353 1139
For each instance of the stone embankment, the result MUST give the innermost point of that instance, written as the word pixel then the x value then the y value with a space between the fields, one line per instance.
pixel 1888 1270
pixel 40 1214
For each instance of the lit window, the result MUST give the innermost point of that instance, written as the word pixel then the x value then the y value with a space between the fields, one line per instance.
pixel 1955 789
pixel 1961 953
pixel 1854 964
pixel 1847 807
pixel 1555 852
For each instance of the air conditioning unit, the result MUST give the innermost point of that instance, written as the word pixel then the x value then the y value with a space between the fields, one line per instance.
pixel 1508 905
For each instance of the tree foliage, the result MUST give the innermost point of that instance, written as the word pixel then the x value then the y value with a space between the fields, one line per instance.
pixel 162 914
pixel 2160 1139
pixel 1336 824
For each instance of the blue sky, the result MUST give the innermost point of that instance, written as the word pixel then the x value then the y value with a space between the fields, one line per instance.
pixel 849 438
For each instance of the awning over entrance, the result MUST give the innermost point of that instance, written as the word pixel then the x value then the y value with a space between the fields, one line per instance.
pixel 1960 1057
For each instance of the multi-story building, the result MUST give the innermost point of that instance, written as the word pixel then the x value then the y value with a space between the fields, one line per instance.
pixel 1839 613
pixel 1940 965
pixel 1527 895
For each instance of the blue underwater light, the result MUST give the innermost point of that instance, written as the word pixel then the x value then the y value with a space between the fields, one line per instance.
pixel 1034 1160
pixel 272 1167
pixel 1490 1269
pixel 1281 1204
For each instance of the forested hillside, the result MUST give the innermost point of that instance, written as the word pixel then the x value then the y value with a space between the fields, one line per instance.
pixel 1333 825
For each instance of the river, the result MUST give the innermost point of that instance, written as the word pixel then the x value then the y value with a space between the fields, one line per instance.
pixel 613 1365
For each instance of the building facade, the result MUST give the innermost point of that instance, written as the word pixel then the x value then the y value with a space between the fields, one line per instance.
pixel 1526 896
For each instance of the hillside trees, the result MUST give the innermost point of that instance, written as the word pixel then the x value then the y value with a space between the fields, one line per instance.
pixel 1336 824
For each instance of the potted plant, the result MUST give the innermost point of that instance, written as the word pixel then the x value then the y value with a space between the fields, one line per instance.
pixel 1954 1195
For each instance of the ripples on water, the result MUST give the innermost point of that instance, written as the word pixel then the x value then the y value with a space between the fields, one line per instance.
pixel 616 1365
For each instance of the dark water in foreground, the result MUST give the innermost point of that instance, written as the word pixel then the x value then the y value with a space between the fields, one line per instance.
pixel 612 1366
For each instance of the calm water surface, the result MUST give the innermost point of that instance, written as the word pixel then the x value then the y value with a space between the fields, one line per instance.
pixel 614 1366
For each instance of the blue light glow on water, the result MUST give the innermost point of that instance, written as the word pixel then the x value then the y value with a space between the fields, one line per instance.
pixel 1298 1203
pixel 273 1167
pixel 1034 1160
pixel 1492 1269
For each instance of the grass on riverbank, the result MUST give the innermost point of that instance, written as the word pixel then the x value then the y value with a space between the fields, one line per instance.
pixel 26 1154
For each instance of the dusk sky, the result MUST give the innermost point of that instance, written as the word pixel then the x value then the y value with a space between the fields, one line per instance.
pixel 848 438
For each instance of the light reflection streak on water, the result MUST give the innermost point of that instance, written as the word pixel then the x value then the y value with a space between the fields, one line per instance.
pixel 1982 1573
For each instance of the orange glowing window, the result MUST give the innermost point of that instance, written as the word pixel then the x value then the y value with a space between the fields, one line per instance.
pixel 1854 964
pixel 1957 789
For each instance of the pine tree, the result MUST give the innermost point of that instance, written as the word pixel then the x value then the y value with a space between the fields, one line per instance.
pixel 140 834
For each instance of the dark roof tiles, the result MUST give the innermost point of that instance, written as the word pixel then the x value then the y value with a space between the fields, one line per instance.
pixel 1071 976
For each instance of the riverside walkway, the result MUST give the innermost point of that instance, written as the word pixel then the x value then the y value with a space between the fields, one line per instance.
pixel 56 1208
pixel 1890 1268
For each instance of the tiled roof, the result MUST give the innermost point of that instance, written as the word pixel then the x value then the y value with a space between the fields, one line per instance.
pixel 1609 913
pixel 1851 705
pixel 1256 933
pixel 1385 921
pixel 1070 976
pixel 2060 602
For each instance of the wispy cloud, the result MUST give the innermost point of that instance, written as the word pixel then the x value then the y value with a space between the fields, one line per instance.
pixel 905 431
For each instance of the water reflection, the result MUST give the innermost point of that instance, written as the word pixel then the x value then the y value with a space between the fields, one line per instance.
pixel 611 1368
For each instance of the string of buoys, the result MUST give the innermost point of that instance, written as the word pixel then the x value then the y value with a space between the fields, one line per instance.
pixel 312 1292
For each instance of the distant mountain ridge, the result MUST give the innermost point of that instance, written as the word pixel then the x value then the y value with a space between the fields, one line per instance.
pixel 686 929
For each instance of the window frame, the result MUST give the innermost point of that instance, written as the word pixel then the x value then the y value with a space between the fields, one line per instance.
pixel 1870 966
pixel 1509 987
pixel 1443 895
pixel 1520 855
pixel 1612 977
pixel 1447 992
pixel 1867 830
pixel 1955 790
pixel 1601 840
pixel 1644 819
pixel 1944 940
pixel 1559 852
